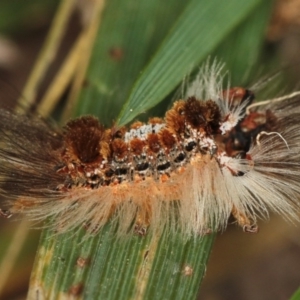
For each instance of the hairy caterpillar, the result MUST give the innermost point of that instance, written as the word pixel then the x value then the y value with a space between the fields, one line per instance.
pixel 213 155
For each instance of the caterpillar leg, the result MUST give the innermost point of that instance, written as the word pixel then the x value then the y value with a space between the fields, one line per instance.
pixel 142 222
pixel 243 221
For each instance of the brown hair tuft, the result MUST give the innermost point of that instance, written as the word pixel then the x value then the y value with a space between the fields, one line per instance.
pixel 83 137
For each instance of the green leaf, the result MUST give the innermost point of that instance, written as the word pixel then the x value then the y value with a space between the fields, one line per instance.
pixel 130 268
pixel 200 28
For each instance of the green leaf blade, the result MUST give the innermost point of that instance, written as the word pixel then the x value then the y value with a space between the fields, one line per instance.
pixel 200 29
pixel 123 46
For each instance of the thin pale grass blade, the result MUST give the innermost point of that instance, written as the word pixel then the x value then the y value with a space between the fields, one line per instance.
pixel 90 36
pixel 74 65
pixel 14 249
pixel 47 53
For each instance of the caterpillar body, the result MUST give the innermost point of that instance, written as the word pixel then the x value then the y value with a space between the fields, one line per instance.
pixel 213 155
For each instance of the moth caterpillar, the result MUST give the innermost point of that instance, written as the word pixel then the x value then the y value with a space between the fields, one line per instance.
pixel 213 155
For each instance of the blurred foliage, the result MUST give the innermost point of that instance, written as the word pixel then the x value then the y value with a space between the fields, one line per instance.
pixel 296 295
pixel 18 16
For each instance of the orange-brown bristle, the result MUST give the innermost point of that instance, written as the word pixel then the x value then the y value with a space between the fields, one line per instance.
pixel 252 121
pixel 153 142
pixel 137 146
pixel 83 137
pixel 104 144
pixel 237 95
pixel 175 119
pixel 21 203
pixel 136 125
pixel 167 139
pixel 119 148
pixel 156 120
